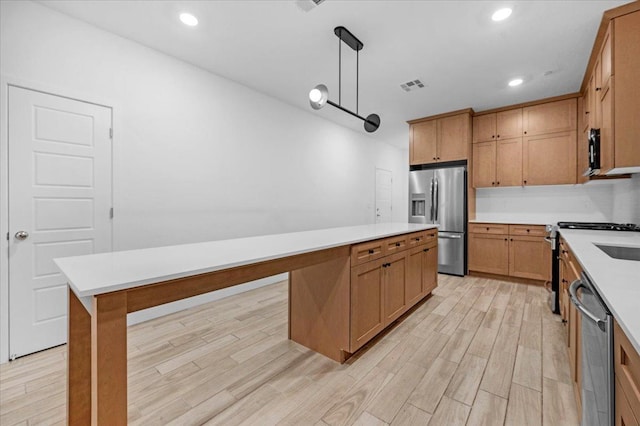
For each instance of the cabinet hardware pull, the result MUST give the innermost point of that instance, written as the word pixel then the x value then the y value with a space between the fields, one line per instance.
pixel 434 158
pixel 493 136
pixel 497 183
pixel 425 250
pixel 586 112
pixel 498 135
pixel 525 182
pixel 493 183
pixel 397 244
pixel 511 239
pixel 505 239
pixel 432 235
pixel 525 132
pixel 598 89
pixel 487 228
pixel 370 251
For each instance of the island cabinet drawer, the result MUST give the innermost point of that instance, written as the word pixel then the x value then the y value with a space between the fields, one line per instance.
pixel 361 253
pixel 431 236
pixel 528 230
pixel 416 239
pixel 488 228
pixel 395 244
pixel 627 367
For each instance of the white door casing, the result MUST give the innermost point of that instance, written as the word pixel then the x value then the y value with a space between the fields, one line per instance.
pixel 60 194
pixel 384 180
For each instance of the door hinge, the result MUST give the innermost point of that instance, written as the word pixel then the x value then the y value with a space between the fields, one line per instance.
pixel 111 213
pixel 110 133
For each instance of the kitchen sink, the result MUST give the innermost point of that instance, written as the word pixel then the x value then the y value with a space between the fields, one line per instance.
pixel 620 252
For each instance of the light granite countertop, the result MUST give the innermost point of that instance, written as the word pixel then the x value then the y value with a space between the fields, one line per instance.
pixel 106 272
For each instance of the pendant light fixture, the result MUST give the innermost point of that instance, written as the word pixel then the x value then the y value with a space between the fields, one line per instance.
pixel 319 95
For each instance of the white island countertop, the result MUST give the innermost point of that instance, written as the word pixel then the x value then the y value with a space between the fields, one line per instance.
pixel 617 281
pixel 106 272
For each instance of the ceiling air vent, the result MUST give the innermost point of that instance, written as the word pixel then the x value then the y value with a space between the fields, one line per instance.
pixel 307 5
pixel 412 85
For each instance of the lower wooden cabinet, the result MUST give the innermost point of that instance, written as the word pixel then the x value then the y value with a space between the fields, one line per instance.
pixel 510 250
pixel 627 372
pixel 385 288
pixel 367 318
pixel 393 283
pixel 569 272
pixel 623 414
pixel 529 257
pixel 422 272
pixel 489 253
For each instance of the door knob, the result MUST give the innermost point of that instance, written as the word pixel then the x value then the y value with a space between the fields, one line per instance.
pixel 22 235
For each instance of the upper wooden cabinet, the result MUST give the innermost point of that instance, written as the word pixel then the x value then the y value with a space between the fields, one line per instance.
pixel 550 117
pixel 441 138
pixel 611 91
pixel 496 126
pixel 549 159
pixel 497 163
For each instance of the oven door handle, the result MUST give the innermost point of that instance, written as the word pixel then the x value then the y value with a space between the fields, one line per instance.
pixel 573 295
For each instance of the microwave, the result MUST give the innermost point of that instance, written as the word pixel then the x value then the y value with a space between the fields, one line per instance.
pixel 594 153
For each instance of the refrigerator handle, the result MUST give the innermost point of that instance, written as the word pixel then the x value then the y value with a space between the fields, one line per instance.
pixel 435 201
pixel 431 194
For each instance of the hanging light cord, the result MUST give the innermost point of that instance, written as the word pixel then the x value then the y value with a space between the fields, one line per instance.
pixel 339 71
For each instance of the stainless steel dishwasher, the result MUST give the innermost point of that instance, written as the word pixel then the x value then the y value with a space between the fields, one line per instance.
pixel 598 402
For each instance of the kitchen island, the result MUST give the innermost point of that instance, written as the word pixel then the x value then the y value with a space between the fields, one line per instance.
pixel 346 285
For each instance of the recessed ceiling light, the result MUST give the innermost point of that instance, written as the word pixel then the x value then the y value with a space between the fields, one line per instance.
pixel 188 19
pixel 515 82
pixel 501 14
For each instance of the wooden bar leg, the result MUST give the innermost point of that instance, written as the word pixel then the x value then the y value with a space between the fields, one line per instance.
pixel 78 363
pixel 109 359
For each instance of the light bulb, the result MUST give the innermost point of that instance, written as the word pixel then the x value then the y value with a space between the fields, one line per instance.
pixel 515 82
pixel 188 19
pixel 315 95
pixel 501 15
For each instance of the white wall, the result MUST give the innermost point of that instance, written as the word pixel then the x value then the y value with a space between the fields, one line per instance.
pixel 196 157
pixel 602 201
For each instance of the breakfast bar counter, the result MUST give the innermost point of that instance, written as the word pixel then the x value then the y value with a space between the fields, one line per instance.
pixel 324 266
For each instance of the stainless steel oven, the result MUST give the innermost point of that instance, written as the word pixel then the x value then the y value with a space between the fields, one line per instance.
pixel 597 354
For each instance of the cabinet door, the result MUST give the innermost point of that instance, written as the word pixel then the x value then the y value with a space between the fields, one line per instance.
pixel 623 413
pixel 484 128
pixel 429 269
pixel 606 64
pixel 590 99
pixel 582 156
pixel 509 162
pixel 367 319
pixel 413 286
pixel 489 253
pixel 607 137
pixel 552 117
pixel 453 138
pixel 484 164
pixel 394 270
pixel 423 142
pixel 529 257
pixel 509 124
pixel 549 159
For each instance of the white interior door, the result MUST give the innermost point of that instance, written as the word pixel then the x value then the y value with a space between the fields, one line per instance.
pixel 384 180
pixel 59 205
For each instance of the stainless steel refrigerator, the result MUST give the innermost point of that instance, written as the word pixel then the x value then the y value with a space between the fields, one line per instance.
pixel 439 196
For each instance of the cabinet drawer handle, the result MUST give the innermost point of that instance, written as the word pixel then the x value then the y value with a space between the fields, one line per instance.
pixel 506 239
pixel 397 244
pixel 425 250
pixel 598 89
pixel 525 132
pixel 487 228
pixel 370 251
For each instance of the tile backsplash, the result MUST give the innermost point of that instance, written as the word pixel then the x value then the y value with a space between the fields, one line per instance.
pixel 602 201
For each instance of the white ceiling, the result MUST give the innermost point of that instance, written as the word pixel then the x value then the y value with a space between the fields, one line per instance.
pixel 454 47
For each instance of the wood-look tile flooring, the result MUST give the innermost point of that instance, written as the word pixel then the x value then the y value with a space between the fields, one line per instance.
pixel 477 352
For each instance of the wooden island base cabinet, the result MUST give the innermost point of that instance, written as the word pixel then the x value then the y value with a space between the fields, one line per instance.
pixel 336 308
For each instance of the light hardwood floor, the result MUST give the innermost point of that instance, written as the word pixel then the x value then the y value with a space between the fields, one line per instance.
pixel 478 352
